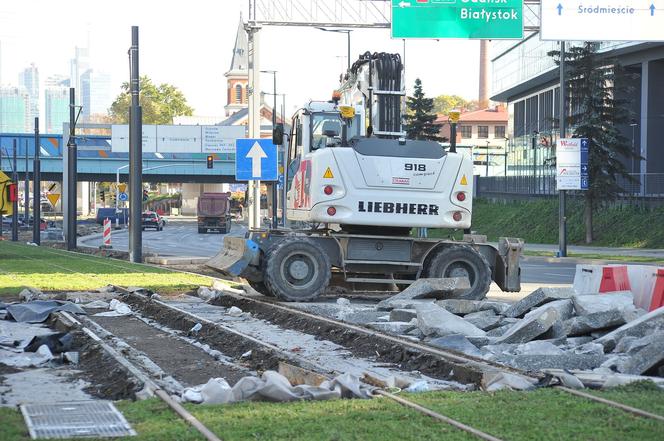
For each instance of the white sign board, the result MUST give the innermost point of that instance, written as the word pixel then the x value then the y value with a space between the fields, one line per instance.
pixel 179 139
pixel 221 139
pixel 120 138
pixel 572 164
pixel 602 20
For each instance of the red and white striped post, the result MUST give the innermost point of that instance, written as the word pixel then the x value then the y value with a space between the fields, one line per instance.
pixel 107 233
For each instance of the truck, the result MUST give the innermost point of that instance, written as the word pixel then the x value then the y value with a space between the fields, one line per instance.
pixel 214 212
pixel 357 191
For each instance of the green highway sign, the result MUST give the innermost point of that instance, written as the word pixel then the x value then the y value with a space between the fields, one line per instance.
pixel 481 19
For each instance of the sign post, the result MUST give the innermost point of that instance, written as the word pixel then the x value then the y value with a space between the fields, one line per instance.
pixel 457 19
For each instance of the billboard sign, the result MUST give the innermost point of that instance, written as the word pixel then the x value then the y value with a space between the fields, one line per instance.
pixel 221 139
pixel 179 138
pixel 602 20
pixel 572 164
pixel 120 138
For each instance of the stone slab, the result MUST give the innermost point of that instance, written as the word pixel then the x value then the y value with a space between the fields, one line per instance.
pixel 592 303
pixel 456 342
pixel 440 288
pixel 530 328
pixel 538 297
pixel 585 324
pixel 560 361
pixel 402 315
pixel 433 320
pixel 640 327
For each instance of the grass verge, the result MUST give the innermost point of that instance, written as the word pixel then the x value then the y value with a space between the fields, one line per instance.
pixel 537 222
pixel 544 414
pixel 50 269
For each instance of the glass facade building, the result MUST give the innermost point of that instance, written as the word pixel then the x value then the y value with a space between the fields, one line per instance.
pixel 14 110
pixel 95 93
pixel 56 109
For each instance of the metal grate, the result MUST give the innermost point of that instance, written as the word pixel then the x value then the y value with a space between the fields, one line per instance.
pixel 81 419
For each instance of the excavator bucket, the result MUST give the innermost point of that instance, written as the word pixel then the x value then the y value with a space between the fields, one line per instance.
pixel 236 255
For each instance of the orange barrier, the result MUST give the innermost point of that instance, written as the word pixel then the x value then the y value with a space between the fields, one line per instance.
pixel 614 278
pixel 658 292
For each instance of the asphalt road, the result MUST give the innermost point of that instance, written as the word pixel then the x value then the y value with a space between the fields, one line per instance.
pixel 178 238
pixel 181 238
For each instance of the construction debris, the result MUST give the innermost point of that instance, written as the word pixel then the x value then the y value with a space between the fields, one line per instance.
pixel 448 288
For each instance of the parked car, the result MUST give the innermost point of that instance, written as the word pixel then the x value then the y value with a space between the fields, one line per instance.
pixel 151 219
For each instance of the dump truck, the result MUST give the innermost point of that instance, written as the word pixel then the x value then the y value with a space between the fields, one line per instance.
pixel 214 212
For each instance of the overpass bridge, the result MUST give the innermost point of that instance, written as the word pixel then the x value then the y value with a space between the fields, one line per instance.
pixel 97 163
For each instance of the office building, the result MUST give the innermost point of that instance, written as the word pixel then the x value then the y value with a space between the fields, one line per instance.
pixel 14 110
pixel 95 93
pixel 29 80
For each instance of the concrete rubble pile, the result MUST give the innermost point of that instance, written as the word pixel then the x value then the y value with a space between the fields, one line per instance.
pixel 550 329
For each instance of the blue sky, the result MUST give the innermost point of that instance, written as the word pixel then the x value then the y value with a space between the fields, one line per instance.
pixel 189 44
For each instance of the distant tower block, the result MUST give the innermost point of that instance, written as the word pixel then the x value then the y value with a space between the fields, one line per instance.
pixel 484 74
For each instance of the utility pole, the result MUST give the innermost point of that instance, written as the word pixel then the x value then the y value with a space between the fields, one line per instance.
pixel 254 101
pixel 135 157
pixel 534 145
pixel 26 190
pixel 36 189
pixel 15 203
pixel 71 173
pixel 562 216
pixel 275 223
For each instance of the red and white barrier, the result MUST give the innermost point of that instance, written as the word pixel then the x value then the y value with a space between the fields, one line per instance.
pixel 644 281
pixel 107 233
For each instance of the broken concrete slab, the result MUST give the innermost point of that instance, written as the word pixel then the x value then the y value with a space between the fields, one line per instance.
pixel 485 320
pixel 561 361
pixel 361 316
pixel 572 342
pixel 565 309
pixel 434 320
pixel 440 288
pixel 402 315
pixel 530 328
pixel 538 297
pixel 538 347
pixel 593 303
pixel 460 306
pixel 456 342
pixel 464 306
pixel 479 341
pixel 585 324
pixel 647 354
pixel 590 348
pixel 637 328
pixel 506 380
pixel 397 328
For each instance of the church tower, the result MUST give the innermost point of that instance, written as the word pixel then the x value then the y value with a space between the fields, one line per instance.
pixel 237 77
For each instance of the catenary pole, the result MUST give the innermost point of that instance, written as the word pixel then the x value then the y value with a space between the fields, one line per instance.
pixel 135 157
pixel 36 189
pixel 15 203
pixel 562 216
pixel 71 173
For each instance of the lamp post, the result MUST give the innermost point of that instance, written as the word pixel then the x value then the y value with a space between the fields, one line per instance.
pixel 274 125
pixel 487 159
pixel 633 125
pixel 342 31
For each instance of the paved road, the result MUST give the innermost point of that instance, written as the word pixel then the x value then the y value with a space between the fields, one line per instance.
pixel 181 238
pixel 178 238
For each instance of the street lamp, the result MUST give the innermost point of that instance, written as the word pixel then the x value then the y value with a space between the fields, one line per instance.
pixel 487 158
pixel 341 31
pixel 633 125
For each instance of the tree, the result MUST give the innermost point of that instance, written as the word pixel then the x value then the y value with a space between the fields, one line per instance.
pixel 160 103
pixel 596 91
pixel 442 104
pixel 420 117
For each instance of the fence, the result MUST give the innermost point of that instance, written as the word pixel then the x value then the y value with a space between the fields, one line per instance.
pixel 640 187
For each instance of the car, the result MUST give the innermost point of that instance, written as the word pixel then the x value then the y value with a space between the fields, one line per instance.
pixel 150 219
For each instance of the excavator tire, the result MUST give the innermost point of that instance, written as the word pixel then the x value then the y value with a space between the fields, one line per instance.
pixel 296 270
pixel 461 261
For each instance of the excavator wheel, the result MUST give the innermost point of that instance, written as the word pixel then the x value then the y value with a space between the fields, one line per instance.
pixel 461 261
pixel 296 270
pixel 260 287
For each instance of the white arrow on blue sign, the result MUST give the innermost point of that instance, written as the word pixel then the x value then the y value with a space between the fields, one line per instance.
pixel 255 159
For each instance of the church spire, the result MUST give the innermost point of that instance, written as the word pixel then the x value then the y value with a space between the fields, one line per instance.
pixel 240 62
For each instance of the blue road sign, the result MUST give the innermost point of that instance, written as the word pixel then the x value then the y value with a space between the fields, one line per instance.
pixel 280 181
pixel 255 159
pixel 123 197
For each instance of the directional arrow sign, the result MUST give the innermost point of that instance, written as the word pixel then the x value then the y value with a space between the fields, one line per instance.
pixel 255 159
pixel 484 19
pixel 602 20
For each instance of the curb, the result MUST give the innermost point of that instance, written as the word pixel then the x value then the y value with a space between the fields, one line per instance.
pixel 583 261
